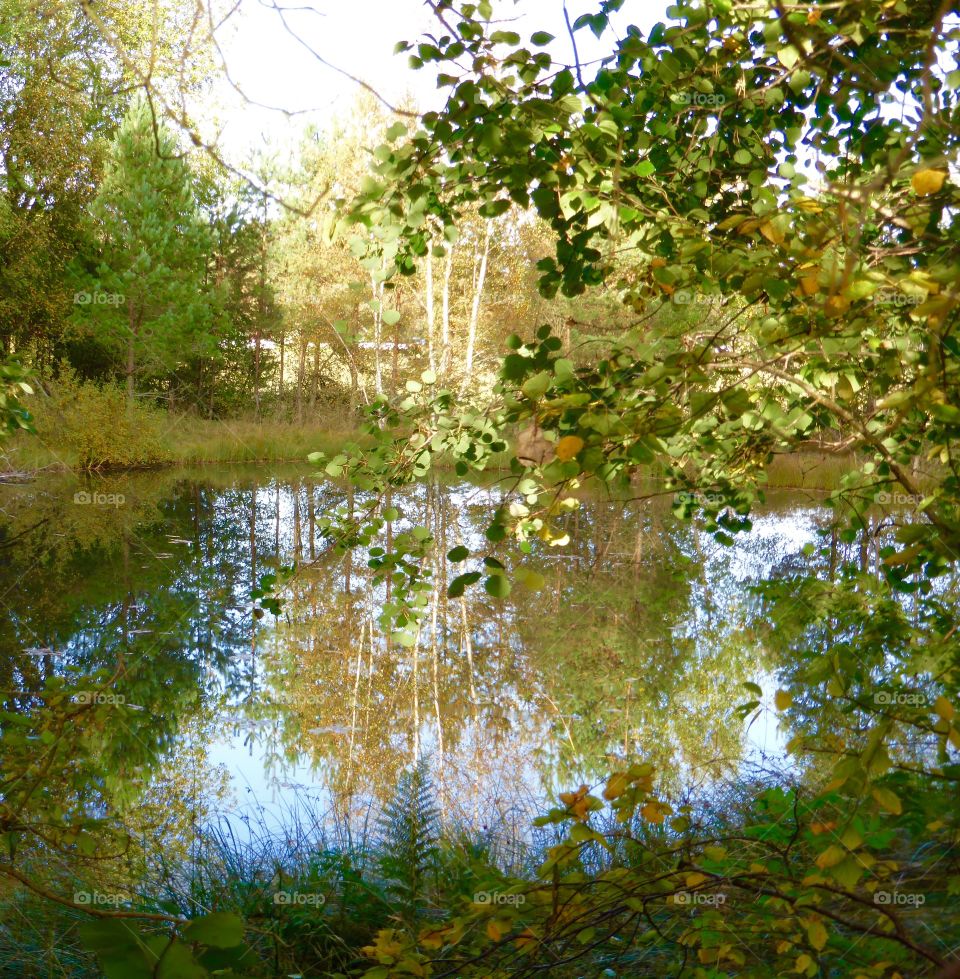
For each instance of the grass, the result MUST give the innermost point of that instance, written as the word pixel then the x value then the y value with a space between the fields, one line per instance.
pixel 81 426
pixel 201 440
pixel 185 440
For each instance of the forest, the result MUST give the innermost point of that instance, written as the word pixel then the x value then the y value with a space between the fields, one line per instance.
pixel 504 523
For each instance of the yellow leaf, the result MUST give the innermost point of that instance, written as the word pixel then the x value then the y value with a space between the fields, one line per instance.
pixel 386 946
pixel 526 941
pixel 831 857
pixel 694 879
pixel 944 708
pixel 496 930
pixel 926 182
pixel 655 812
pixel 816 934
pixel 432 937
pixel 809 285
pixel 568 447
pixel 935 825
pixel 616 785
pixel 851 839
pixel 803 963
pixel 530 579
pixel 773 234
pixel 887 800
pixel 782 699
pixel 954 736
pixel 577 802
pixel 836 305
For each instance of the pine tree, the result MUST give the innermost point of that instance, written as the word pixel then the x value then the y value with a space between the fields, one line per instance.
pixel 149 301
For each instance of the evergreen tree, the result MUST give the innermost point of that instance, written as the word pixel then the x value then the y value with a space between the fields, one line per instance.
pixel 149 299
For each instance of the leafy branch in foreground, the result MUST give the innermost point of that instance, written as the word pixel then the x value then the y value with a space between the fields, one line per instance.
pixel 682 171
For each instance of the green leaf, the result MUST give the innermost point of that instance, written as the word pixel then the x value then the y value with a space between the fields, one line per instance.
pixel 541 38
pixel 497 585
pixel 222 929
pixel 536 386
pixel 492 209
pixel 176 961
pixel 119 948
pixel 459 553
pixel 459 584
pixel 788 56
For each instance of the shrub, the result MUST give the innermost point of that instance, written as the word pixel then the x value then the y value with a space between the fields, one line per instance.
pixel 94 424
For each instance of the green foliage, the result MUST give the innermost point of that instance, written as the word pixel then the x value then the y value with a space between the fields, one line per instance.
pixel 774 880
pixel 658 177
pixel 13 386
pixel 410 828
pixel 677 172
pixel 96 427
pixel 675 175
pixel 147 296
pixel 126 950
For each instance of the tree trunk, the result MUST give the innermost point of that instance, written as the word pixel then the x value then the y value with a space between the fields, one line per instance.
pixel 261 309
pixel 281 386
pixel 445 324
pixel 431 311
pixel 315 388
pixel 301 375
pixel 475 308
pixel 377 332
pixel 256 374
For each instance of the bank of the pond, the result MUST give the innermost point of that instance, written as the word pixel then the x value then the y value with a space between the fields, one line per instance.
pixel 180 440
pixel 156 440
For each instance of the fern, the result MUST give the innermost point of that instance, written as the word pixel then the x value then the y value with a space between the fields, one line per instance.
pixel 409 849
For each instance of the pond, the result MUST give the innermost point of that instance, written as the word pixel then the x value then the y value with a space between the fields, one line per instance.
pixel 136 588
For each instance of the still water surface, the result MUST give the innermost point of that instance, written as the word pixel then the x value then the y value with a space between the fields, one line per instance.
pixel 637 644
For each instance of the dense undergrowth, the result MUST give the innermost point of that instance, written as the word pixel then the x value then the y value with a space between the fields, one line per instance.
pixel 83 426
pixel 736 879
pixel 86 426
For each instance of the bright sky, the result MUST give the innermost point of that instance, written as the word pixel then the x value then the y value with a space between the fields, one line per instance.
pixel 273 67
